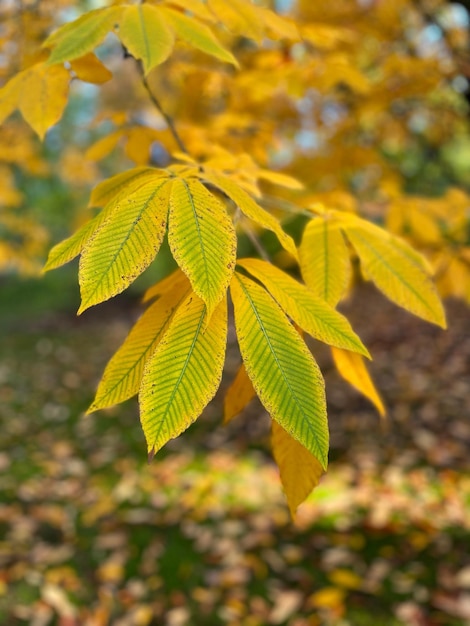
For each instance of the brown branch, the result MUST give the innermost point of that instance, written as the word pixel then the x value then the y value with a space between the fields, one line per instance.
pixel 168 119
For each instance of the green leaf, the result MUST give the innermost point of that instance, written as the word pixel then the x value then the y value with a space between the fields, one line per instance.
pixel 312 314
pixel 202 239
pixel 283 372
pixel 184 372
pixel 197 35
pixel 145 35
pixel 75 39
pixel 324 260
pixel 252 210
pixel 125 245
pixel 123 374
pixel 395 268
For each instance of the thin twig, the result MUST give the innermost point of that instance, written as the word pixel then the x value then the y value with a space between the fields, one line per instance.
pixel 256 243
pixel 169 120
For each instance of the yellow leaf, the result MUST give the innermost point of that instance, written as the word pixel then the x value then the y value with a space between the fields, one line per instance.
pixel 145 34
pixel 328 598
pixel 352 368
pixel 282 180
pixel 125 245
pixel 202 239
pixel 101 148
pixel 9 96
pixel 197 35
pixel 77 38
pixel 123 374
pixel 90 69
pixel 183 373
pixel 397 269
pixel 300 471
pixel 112 187
pixel 324 259
pixel 40 93
pixel 308 311
pixel 345 578
pixel 278 27
pixel 166 284
pixel 238 16
pixel 195 7
pixel 238 395
pixel 252 210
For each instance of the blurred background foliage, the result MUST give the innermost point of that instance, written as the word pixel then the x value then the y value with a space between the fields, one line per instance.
pixel 370 110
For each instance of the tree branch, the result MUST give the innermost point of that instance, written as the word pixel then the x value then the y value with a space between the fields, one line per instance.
pixel 169 120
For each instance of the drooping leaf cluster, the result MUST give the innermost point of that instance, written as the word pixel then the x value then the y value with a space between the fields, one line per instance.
pixel 247 91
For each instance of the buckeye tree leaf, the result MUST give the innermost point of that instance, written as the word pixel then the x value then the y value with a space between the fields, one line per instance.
pixel 396 269
pixel 202 239
pixel 126 243
pixel 184 372
pixel 238 395
pixel 252 209
pixel 283 372
pixel 352 368
pixel 324 259
pixel 299 469
pixel 197 35
pixel 312 314
pixel 77 38
pixel 123 374
pixel 145 34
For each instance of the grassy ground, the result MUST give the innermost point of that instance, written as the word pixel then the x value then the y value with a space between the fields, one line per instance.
pixel 92 535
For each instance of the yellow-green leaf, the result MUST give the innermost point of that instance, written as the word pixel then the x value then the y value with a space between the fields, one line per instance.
pixel 238 395
pixel 71 247
pixel 108 189
pixel 202 239
pixel 126 243
pixel 252 210
pixel 75 39
pixel 312 314
pixel 283 180
pixel 283 372
pixel 146 35
pixel 299 469
pixel 123 374
pixel 324 260
pixel 352 368
pixel 395 268
pixel 197 35
pixel 184 372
